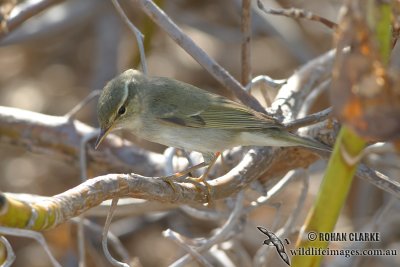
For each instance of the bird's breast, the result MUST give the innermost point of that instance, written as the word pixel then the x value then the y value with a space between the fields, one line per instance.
pixel 193 139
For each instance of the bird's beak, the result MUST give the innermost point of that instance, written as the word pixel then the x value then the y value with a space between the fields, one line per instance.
pixel 102 135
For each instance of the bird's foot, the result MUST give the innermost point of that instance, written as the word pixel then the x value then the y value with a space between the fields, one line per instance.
pixel 171 179
pixel 199 180
pixel 210 161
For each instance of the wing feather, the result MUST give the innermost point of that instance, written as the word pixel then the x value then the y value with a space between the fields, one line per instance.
pixel 201 109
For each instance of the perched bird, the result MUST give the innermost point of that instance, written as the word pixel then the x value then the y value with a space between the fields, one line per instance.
pixel 177 114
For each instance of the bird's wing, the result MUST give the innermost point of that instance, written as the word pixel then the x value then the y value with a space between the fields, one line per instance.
pixel 197 108
pixel 227 114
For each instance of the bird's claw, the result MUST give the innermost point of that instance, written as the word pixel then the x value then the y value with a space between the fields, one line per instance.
pixel 203 180
pixel 170 180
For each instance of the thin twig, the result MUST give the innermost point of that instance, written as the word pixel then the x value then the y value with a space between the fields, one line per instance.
pixel 278 214
pixel 139 36
pixel 379 216
pixel 266 83
pixel 246 41
pixel 180 242
pixel 220 235
pixel 374 156
pixel 26 12
pixel 265 80
pixel 169 155
pixel 298 14
pixel 310 119
pixel 209 215
pixel 278 187
pixel 193 158
pixel 104 238
pixel 113 240
pixel 72 113
pixel 312 97
pixel 80 236
pixel 183 40
pixel 381 148
pixel 10 252
pixel 290 97
pixel 31 234
pixel 219 253
pixel 286 230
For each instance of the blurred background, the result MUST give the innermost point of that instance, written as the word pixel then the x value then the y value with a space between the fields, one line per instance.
pixel 57 58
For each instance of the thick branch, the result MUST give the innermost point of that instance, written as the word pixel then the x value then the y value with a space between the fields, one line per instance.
pixel 59 138
pixel 52 211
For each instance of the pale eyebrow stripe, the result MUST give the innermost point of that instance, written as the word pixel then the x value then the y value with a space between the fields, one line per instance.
pixel 125 93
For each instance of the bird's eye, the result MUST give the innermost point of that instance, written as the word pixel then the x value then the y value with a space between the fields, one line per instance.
pixel 121 110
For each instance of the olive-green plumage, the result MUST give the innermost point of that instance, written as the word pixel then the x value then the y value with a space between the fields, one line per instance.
pixel 177 114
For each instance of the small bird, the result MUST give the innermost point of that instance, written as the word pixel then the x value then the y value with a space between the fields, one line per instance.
pixel 177 114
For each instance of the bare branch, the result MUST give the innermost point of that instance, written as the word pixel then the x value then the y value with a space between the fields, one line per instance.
pixel 60 138
pixel 310 119
pixel 139 36
pixel 278 187
pixel 177 238
pixel 298 13
pixel 104 238
pixel 25 13
pixel 71 114
pixel 10 252
pixel 113 240
pixel 91 193
pixel 246 41
pixel 312 97
pixel 221 234
pixel 183 40
pixel 265 83
pixel 292 94
pixel 31 234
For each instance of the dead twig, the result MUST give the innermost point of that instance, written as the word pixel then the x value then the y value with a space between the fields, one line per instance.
pixel 24 13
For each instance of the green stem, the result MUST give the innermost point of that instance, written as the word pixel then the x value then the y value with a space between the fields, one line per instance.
pixel 331 196
pixel 384 31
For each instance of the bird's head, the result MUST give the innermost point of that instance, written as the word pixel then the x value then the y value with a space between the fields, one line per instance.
pixel 118 103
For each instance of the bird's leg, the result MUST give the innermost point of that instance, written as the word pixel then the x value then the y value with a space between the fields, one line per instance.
pixel 170 179
pixel 211 162
pixel 209 159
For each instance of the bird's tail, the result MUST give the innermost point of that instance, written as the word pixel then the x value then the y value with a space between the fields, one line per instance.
pixel 292 140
